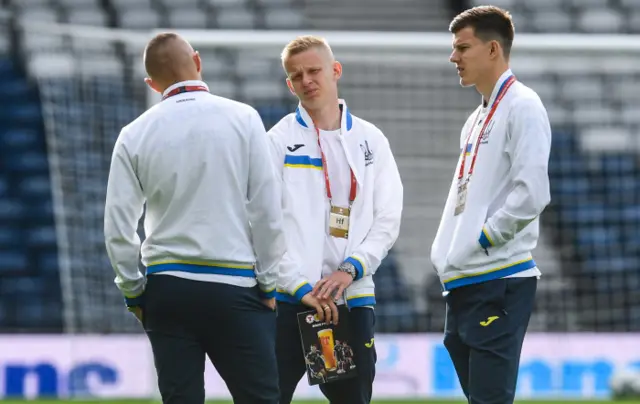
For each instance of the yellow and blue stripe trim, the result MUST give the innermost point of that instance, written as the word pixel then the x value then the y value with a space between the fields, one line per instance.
pixel 489 275
pixel 267 294
pixel 367 299
pixel 361 269
pixel 211 268
pixel 302 123
pixel 298 293
pixel 302 162
pixel 134 301
pixel 485 240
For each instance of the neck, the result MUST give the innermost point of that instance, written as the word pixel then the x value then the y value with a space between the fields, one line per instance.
pixel 327 117
pixel 486 88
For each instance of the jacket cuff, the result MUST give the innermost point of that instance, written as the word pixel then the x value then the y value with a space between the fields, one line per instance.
pixel 301 290
pixel 267 294
pixel 134 301
pixel 485 239
pixel 361 269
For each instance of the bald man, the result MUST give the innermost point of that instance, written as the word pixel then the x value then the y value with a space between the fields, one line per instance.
pixel 213 229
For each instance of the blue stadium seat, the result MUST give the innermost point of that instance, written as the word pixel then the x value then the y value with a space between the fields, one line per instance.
pixel 618 164
pixel 273 113
pixel 567 187
pixel 10 236
pixel 41 236
pixel 12 261
pixel 566 165
pixel 4 186
pixel 48 262
pixel 598 240
pixel 584 213
pixel 40 210
pixel 14 89
pixel 26 113
pixel 28 162
pixel 605 265
pixel 11 209
pixel 35 186
pixel 19 138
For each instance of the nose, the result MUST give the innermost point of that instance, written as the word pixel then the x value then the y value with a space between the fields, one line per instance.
pixel 453 58
pixel 306 79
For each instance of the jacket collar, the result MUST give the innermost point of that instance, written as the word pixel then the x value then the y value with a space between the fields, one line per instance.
pixel 497 87
pixel 303 118
pixel 185 83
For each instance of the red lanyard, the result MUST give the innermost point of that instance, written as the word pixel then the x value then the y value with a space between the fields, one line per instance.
pixel 184 89
pixel 352 191
pixel 501 93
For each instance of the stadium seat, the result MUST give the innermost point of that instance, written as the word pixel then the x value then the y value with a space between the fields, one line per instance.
pixel 12 261
pixel 35 186
pixel 29 4
pixel 139 18
pixel 21 138
pixel 52 65
pixel 604 20
pixel 87 16
pixel 122 5
pixel 80 4
pixel 188 18
pixel 48 262
pixel 235 18
pixel 283 18
pixel 41 236
pixel 227 3
pixel 185 4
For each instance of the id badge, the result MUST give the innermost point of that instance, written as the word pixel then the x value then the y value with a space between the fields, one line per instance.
pixel 339 222
pixel 461 200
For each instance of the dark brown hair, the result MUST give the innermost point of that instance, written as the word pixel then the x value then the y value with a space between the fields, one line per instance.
pixel 489 23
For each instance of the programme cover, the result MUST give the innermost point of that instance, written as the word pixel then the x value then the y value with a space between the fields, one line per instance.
pixel 327 352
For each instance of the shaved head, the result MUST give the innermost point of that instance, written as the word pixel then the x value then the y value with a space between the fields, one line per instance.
pixel 169 58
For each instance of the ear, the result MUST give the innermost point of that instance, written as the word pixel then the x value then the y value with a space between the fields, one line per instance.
pixel 495 50
pixel 290 86
pixel 198 61
pixel 337 70
pixel 152 84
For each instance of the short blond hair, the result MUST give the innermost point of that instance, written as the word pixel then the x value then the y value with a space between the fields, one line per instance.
pixel 303 44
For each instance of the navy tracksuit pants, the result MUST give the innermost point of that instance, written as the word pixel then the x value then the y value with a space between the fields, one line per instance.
pixel 485 328
pixel 186 321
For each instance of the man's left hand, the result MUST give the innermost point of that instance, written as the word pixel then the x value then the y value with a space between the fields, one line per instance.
pixel 333 286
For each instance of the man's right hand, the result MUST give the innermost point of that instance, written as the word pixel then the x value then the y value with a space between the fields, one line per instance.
pixel 326 308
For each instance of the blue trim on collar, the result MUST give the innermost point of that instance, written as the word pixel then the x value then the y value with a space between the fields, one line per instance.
pixel 349 120
pixel 304 124
pixel 299 118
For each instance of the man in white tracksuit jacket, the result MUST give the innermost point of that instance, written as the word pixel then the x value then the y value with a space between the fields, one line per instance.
pixel 482 250
pixel 338 226
pixel 214 232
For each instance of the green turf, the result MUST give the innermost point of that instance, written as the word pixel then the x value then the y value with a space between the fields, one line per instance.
pixel 304 402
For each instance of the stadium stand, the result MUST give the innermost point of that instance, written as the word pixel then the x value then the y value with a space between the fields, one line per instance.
pixel 30 297
pixel 590 250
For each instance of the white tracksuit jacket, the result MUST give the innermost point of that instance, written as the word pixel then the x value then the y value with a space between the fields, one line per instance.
pixel 495 234
pixel 375 217
pixel 212 200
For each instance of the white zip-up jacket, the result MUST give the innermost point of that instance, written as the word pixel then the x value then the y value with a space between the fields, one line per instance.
pixel 376 212
pixel 494 236
pixel 212 199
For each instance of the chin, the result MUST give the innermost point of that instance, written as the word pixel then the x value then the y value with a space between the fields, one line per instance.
pixel 466 83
